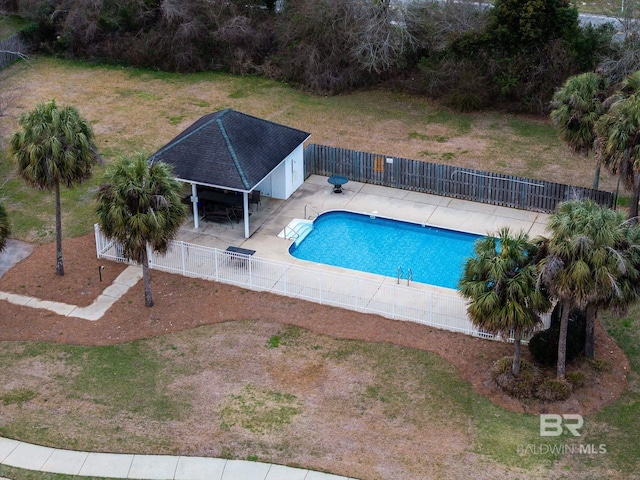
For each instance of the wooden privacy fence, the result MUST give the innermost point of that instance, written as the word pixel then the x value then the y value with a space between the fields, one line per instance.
pixel 10 50
pixel 445 180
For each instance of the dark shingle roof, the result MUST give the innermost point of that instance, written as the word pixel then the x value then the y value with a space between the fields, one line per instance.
pixel 229 149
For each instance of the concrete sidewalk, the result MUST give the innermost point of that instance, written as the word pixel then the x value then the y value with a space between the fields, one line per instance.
pixel 146 467
pixel 127 279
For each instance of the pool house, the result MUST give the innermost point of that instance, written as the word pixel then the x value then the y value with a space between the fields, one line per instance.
pixel 232 160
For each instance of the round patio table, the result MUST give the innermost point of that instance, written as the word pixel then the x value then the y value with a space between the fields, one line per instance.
pixel 337 181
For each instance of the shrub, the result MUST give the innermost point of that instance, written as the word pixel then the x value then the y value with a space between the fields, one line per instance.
pixel 455 81
pixel 599 365
pixel 544 344
pixel 464 100
pixel 521 386
pixel 502 365
pixel 576 379
pixel 553 390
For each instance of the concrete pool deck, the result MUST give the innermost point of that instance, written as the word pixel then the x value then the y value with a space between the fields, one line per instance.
pixel 316 196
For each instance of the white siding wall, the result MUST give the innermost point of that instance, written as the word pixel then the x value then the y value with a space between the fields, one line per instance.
pixel 286 178
pixel 296 169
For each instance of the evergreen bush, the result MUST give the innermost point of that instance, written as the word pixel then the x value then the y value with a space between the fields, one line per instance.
pixel 544 344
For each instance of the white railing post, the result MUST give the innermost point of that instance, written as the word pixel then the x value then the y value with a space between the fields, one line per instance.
pixel 96 232
pixel 393 303
pixel 182 259
pixel 357 303
pixel 284 276
pixel 215 263
pixel 430 308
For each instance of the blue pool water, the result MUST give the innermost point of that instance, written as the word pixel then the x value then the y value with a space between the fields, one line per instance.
pixel 379 245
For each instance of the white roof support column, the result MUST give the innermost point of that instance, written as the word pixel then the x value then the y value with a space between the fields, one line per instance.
pixel 245 210
pixel 194 202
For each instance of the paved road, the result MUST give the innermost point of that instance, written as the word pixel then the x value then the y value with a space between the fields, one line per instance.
pixel 597 20
pixel 587 18
pixel 618 23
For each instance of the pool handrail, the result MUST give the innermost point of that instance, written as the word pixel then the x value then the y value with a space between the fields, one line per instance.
pixel 293 230
pixel 313 209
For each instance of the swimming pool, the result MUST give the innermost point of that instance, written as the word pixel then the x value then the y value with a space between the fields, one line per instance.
pixel 381 245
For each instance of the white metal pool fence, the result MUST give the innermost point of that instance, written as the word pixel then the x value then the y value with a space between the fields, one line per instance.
pixel 390 300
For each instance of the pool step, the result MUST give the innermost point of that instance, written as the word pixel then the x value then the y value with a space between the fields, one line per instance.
pixel 297 229
pixel 304 230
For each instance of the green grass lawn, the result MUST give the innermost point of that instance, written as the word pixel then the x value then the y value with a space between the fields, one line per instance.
pixel 621 421
pixel 129 384
pixel 32 211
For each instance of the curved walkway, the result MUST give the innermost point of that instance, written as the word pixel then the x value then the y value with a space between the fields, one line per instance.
pixel 127 279
pixel 146 467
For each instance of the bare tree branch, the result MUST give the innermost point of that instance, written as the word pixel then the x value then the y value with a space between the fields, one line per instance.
pixel 381 35
pixel 12 49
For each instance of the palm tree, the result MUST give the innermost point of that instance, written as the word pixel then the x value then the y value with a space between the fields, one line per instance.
pixel 617 143
pixel 5 227
pixel 629 280
pixel 577 106
pixel 614 271
pixel 139 207
pixel 585 265
pixel 56 145
pixel 500 282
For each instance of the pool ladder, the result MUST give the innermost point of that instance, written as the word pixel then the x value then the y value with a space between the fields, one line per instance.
pixel 292 232
pixel 313 210
pixel 401 274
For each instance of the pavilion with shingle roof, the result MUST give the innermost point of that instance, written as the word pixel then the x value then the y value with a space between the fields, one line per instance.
pixel 233 151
